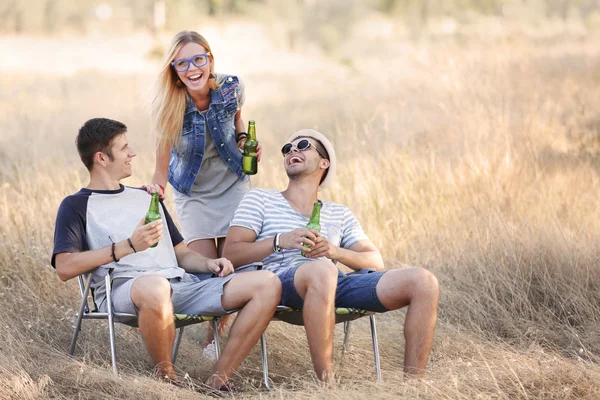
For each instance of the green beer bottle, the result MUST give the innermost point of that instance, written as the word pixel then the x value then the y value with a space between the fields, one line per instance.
pixel 315 219
pixel 153 213
pixel 249 160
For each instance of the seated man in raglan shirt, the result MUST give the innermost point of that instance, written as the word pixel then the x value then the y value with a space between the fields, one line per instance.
pixel 101 228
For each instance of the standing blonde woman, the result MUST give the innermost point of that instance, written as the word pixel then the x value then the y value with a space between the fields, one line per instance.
pixel 197 116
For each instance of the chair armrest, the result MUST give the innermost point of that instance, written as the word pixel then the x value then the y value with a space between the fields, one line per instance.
pixel 362 271
pixel 256 266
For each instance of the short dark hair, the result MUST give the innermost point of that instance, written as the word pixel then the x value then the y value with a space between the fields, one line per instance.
pixel 95 135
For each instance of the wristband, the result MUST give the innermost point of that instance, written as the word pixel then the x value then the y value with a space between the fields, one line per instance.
pixel 112 251
pixel 276 246
pixel 131 244
pixel 240 136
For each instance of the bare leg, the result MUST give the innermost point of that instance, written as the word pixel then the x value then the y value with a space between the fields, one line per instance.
pixel 258 293
pixel 316 282
pixel 417 288
pixel 225 320
pixel 210 248
pixel 220 244
pixel 151 294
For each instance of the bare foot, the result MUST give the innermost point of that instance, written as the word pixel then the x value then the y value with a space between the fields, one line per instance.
pixel 166 373
pixel 218 382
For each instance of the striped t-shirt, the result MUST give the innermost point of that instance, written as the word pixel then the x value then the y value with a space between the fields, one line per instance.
pixel 267 213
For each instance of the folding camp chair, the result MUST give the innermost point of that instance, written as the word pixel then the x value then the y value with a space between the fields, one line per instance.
pixel 85 312
pixel 345 315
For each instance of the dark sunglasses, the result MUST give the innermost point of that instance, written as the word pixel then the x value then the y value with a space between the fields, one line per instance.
pixel 302 145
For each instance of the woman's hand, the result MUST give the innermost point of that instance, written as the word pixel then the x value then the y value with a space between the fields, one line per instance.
pixel 258 148
pixel 155 188
pixel 241 144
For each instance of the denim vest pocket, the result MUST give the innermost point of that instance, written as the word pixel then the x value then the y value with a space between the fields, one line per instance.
pixel 187 129
pixel 186 142
pixel 226 117
pixel 227 112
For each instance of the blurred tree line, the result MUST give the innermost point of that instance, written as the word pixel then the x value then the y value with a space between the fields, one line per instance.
pixel 549 8
pixel 119 16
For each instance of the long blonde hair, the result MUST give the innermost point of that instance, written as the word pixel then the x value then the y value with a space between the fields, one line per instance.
pixel 169 102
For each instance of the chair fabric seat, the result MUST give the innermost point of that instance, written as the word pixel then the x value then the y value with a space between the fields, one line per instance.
pixel 342 314
pixel 193 317
pixel 182 320
pixel 132 320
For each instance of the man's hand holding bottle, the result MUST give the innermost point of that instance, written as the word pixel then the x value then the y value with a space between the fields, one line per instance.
pixel 146 235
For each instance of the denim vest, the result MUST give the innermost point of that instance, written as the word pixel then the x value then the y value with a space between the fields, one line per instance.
pixel 186 159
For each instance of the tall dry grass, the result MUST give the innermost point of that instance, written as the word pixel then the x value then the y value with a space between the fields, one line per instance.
pixel 476 161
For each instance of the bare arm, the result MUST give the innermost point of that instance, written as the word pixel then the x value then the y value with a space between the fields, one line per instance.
pixel 161 169
pixel 70 265
pixel 242 248
pixel 362 254
pixel 196 263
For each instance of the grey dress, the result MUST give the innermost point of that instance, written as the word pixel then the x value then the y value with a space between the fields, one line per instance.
pixel 214 197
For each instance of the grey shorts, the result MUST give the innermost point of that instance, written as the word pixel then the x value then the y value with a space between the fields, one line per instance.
pixel 189 295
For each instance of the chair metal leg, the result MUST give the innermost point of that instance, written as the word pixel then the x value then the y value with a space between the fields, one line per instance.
pixel 265 365
pixel 75 334
pixel 375 347
pixel 178 335
pixel 111 325
pixel 84 287
pixel 346 337
pixel 215 325
pixel 79 319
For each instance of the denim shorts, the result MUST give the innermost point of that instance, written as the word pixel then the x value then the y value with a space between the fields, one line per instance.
pixel 353 291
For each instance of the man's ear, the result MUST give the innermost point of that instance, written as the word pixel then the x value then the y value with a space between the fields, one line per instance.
pixel 101 158
pixel 324 163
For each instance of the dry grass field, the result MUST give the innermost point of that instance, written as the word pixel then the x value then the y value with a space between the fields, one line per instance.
pixel 477 160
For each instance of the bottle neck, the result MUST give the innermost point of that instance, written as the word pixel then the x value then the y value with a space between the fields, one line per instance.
pixel 315 216
pixel 154 203
pixel 252 132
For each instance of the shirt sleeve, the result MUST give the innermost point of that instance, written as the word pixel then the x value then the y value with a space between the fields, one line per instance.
pixel 176 237
pixel 250 213
pixel 69 231
pixel 352 231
